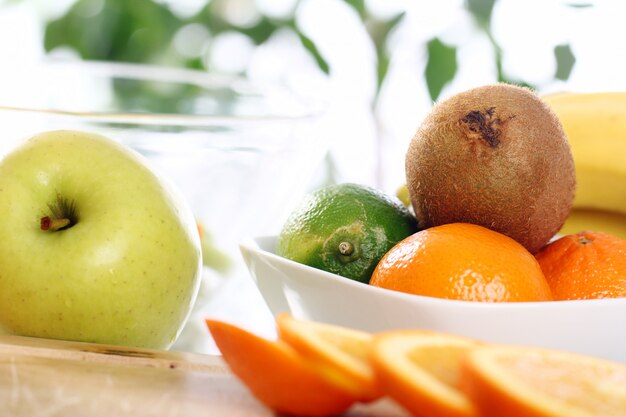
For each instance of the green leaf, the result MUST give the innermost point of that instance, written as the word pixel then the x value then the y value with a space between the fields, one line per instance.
pixel 132 31
pixel 481 10
pixel 207 17
pixel 579 5
pixel 565 61
pixel 310 46
pixel 359 6
pixel 382 69
pixel 195 63
pixel 260 32
pixel 441 66
pixel 213 20
pixel 379 34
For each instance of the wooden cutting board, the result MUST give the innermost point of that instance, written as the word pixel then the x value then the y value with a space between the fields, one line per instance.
pixel 41 377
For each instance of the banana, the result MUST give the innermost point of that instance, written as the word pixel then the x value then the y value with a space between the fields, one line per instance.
pixel 595 124
pixel 402 193
pixel 597 220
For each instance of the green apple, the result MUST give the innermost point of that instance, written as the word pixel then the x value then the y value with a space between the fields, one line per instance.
pixel 93 245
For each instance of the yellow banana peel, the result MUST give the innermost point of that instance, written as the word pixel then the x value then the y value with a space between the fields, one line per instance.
pixel 402 193
pixel 595 220
pixel 595 124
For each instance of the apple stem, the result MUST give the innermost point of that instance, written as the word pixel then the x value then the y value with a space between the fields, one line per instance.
pixel 63 215
pixel 51 224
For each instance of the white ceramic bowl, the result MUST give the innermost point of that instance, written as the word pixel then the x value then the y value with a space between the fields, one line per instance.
pixel 594 327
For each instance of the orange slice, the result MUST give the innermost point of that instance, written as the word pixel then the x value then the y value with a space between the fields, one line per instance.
pixel 339 352
pixel 276 375
pixel 420 370
pixel 529 382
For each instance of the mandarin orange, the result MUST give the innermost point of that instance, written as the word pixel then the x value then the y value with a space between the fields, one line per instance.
pixel 465 262
pixel 585 265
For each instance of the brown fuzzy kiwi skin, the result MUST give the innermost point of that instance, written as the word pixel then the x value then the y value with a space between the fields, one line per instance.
pixel 496 156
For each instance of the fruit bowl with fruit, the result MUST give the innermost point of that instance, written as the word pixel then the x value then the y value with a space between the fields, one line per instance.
pixel 481 247
pixel 584 326
pixel 223 143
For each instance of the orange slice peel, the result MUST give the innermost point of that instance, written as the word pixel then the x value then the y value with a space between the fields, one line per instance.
pixel 339 352
pixel 420 371
pixel 532 382
pixel 276 375
pixel 316 369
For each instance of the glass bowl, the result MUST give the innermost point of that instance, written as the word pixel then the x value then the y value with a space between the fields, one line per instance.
pixel 241 153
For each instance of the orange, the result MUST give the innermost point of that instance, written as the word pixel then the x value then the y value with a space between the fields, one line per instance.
pixel 276 375
pixel 420 371
pixel 465 262
pixel 340 352
pixel 585 265
pixel 532 382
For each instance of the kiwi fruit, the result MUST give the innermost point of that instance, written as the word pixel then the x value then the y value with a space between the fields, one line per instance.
pixel 496 156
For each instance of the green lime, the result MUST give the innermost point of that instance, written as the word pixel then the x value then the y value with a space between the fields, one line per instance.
pixel 345 229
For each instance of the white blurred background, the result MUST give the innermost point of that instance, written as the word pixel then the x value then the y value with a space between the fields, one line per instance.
pixel 371 126
pixel 378 65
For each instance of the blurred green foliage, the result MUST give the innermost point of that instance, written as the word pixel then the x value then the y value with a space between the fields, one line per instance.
pixel 129 31
pixel 142 31
pixel 565 60
pixel 441 66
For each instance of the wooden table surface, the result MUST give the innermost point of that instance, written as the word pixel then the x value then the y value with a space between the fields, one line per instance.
pixel 41 377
